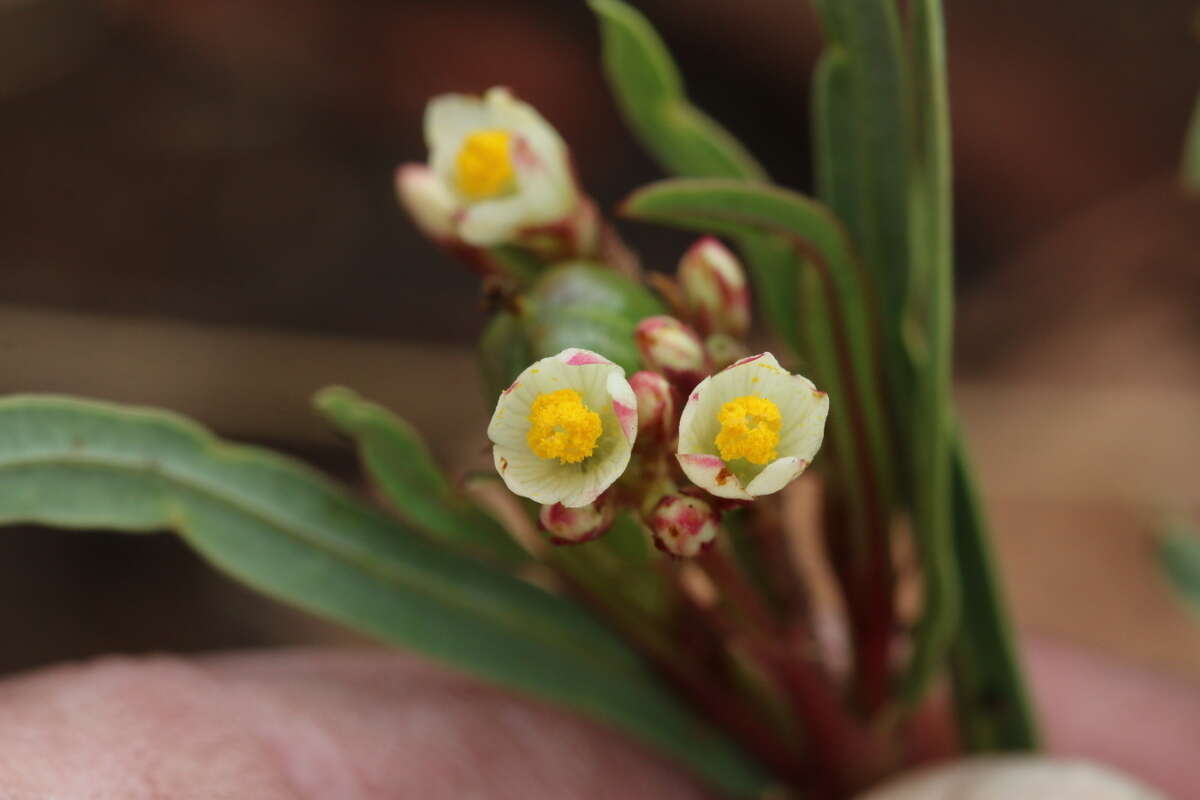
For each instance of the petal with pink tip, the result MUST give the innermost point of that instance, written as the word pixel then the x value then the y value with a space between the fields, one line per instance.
pixel 710 474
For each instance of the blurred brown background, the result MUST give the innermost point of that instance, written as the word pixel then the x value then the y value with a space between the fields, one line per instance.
pixel 197 213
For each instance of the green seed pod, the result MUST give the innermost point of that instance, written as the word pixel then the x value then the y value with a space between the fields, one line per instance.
pixel 581 304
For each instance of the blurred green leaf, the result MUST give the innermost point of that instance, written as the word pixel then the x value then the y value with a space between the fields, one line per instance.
pixel 1179 555
pixel 929 314
pixel 287 531
pixel 1191 153
pixel 650 93
pixel 647 86
pixel 861 139
pixel 401 466
pixel 992 703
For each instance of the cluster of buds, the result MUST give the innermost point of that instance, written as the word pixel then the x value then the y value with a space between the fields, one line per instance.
pixel 571 432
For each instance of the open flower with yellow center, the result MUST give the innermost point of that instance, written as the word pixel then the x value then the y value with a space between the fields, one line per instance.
pixel 563 432
pixel 750 429
pixel 498 163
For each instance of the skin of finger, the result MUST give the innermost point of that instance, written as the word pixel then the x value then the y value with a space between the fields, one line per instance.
pixel 357 725
pixel 368 724
pixel 1144 724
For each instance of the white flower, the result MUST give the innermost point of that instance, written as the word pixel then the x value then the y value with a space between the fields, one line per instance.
pixel 504 166
pixel 564 431
pixel 1005 777
pixel 750 429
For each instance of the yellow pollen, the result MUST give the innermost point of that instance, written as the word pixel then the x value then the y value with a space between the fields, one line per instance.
pixel 749 429
pixel 484 166
pixel 563 427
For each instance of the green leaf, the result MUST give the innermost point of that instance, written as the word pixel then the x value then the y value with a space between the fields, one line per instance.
pixel 287 531
pixel 1179 555
pixel 862 140
pixel 931 312
pixel 650 93
pixel 992 704
pixel 648 88
pixel 401 466
pixel 1191 153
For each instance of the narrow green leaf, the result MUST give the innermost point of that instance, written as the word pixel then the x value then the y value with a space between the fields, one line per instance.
pixel 650 93
pixel 931 310
pixel 1179 555
pixel 862 132
pixel 646 83
pixel 1191 153
pixel 401 466
pixel 290 533
pixel 992 704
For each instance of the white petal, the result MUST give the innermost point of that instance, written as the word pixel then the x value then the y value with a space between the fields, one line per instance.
pixel 804 413
pixel 690 438
pixel 710 474
pixel 492 222
pixel 624 404
pixel 776 475
pixel 1009 777
pixel 524 120
pixel 449 119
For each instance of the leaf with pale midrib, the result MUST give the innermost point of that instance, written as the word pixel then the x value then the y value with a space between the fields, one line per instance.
pixel 289 532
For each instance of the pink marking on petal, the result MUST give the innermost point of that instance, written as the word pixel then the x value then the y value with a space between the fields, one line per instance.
pixel 524 155
pixel 583 358
pixel 627 416
pixel 514 385
pixel 747 360
pixel 703 460
pixel 695 395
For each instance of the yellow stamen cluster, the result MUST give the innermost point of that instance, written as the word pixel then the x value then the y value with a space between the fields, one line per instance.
pixel 563 427
pixel 484 166
pixel 749 429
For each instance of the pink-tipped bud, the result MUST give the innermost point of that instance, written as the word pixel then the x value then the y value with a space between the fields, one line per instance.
pixel 577 525
pixel 714 288
pixel 427 200
pixel 672 348
pixel 683 526
pixel 655 407
pixel 723 350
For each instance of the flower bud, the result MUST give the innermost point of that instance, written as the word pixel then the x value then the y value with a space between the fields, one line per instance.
pixel 427 200
pixel 723 350
pixel 683 526
pixel 714 288
pixel 672 348
pixel 655 406
pixel 577 525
